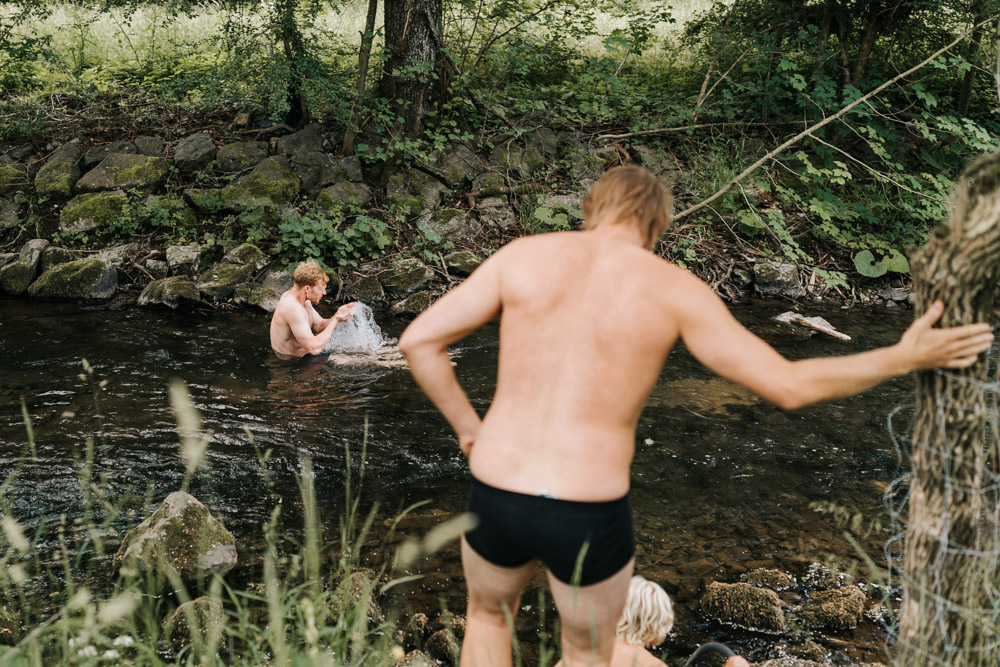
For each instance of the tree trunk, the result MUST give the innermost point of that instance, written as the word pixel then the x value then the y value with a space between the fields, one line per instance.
pixel 950 555
pixel 413 40
pixel 975 42
pixel 364 54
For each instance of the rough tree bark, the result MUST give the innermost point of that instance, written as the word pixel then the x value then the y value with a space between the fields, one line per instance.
pixel 950 561
pixel 413 39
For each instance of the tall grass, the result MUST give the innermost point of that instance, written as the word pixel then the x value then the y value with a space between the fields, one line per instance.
pixel 310 604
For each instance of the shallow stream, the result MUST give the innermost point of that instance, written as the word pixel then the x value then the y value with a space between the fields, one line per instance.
pixel 723 483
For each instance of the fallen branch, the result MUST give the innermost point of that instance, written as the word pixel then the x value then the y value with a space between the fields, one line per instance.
pixel 815 323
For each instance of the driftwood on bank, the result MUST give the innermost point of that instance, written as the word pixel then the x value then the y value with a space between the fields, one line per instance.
pixel 814 323
pixel 950 586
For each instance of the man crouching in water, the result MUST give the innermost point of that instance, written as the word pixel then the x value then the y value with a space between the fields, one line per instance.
pixel 296 327
pixel 550 461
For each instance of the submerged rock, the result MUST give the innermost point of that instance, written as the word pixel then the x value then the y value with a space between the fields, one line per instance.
pixel 776 580
pixel 91 279
pixel 744 606
pixel 838 609
pixel 181 536
pixel 357 591
pixel 199 622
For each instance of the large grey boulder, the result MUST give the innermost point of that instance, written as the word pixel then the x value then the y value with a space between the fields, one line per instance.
pixel 182 537
pixel 13 178
pixel 309 138
pixel 496 212
pixel 173 292
pixel 777 279
pixel 194 152
pixel 413 192
pixel 16 276
pixel 91 279
pixel 451 224
pixel 460 165
pixel 59 174
pixel 117 254
pixel 183 260
pixel 98 154
pixel 744 606
pixel 273 179
pixel 219 281
pixel 278 279
pixel 366 289
pixel 343 193
pixel 404 277
pixel 122 171
pixel 315 169
pixel 10 214
pixel 90 211
pixel 241 155
pixel 518 160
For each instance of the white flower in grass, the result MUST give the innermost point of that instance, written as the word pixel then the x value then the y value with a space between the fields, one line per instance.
pixel 17 574
pixel 124 641
pixel 15 534
pixel 87 651
pixel 110 654
pixel 117 608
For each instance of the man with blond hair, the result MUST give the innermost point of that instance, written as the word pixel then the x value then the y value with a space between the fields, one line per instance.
pixel 296 328
pixel 550 460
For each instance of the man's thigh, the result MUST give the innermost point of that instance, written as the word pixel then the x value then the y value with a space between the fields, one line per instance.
pixel 589 614
pixel 492 586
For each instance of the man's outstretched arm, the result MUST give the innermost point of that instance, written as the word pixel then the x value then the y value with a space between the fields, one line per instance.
pixel 425 345
pixel 301 327
pixel 722 344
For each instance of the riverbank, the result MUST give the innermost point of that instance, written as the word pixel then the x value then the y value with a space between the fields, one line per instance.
pixel 217 217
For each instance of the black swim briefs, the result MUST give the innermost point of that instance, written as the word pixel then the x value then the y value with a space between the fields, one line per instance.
pixel 514 528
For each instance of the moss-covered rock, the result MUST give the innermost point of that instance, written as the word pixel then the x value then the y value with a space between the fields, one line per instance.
pixel 91 279
pixel 460 165
pixel 89 211
pixel 116 255
pixel 497 213
pixel 357 592
pixel 13 178
pixel 776 580
pixel 199 623
pixel 97 154
pixel 181 536
pixel 194 152
pixel 174 292
pixel 462 262
pixel 16 276
pixel 777 279
pixel 412 305
pixel 315 170
pixel 278 279
pixel 204 200
pixel 52 256
pixel 520 160
pixel 273 179
pixel 59 174
pixel 255 294
pixel 837 609
pixel 309 138
pixel 451 224
pixel 744 606
pixel 405 277
pixel 241 156
pixel 416 658
pixel 366 289
pixel 123 171
pixel 343 193
pixel 247 253
pixel 413 192
pixel 219 281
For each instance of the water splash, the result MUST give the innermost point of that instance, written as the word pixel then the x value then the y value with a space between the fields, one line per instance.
pixel 357 335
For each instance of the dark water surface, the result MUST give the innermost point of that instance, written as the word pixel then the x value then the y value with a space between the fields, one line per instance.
pixel 722 482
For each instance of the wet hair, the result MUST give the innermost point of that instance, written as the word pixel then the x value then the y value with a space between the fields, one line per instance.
pixel 309 273
pixel 634 196
pixel 648 614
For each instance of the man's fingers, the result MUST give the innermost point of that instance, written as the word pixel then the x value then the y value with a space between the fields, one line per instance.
pixel 932 315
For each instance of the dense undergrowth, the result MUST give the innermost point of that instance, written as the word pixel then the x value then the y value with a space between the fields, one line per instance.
pixel 715 91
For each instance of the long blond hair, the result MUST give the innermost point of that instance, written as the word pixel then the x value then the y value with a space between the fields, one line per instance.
pixel 635 196
pixel 648 614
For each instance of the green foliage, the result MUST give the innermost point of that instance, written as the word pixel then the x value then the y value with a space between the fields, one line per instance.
pixel 337 237
pixel 428 245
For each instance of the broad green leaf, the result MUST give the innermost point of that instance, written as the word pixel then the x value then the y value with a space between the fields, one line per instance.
pixel 866 265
